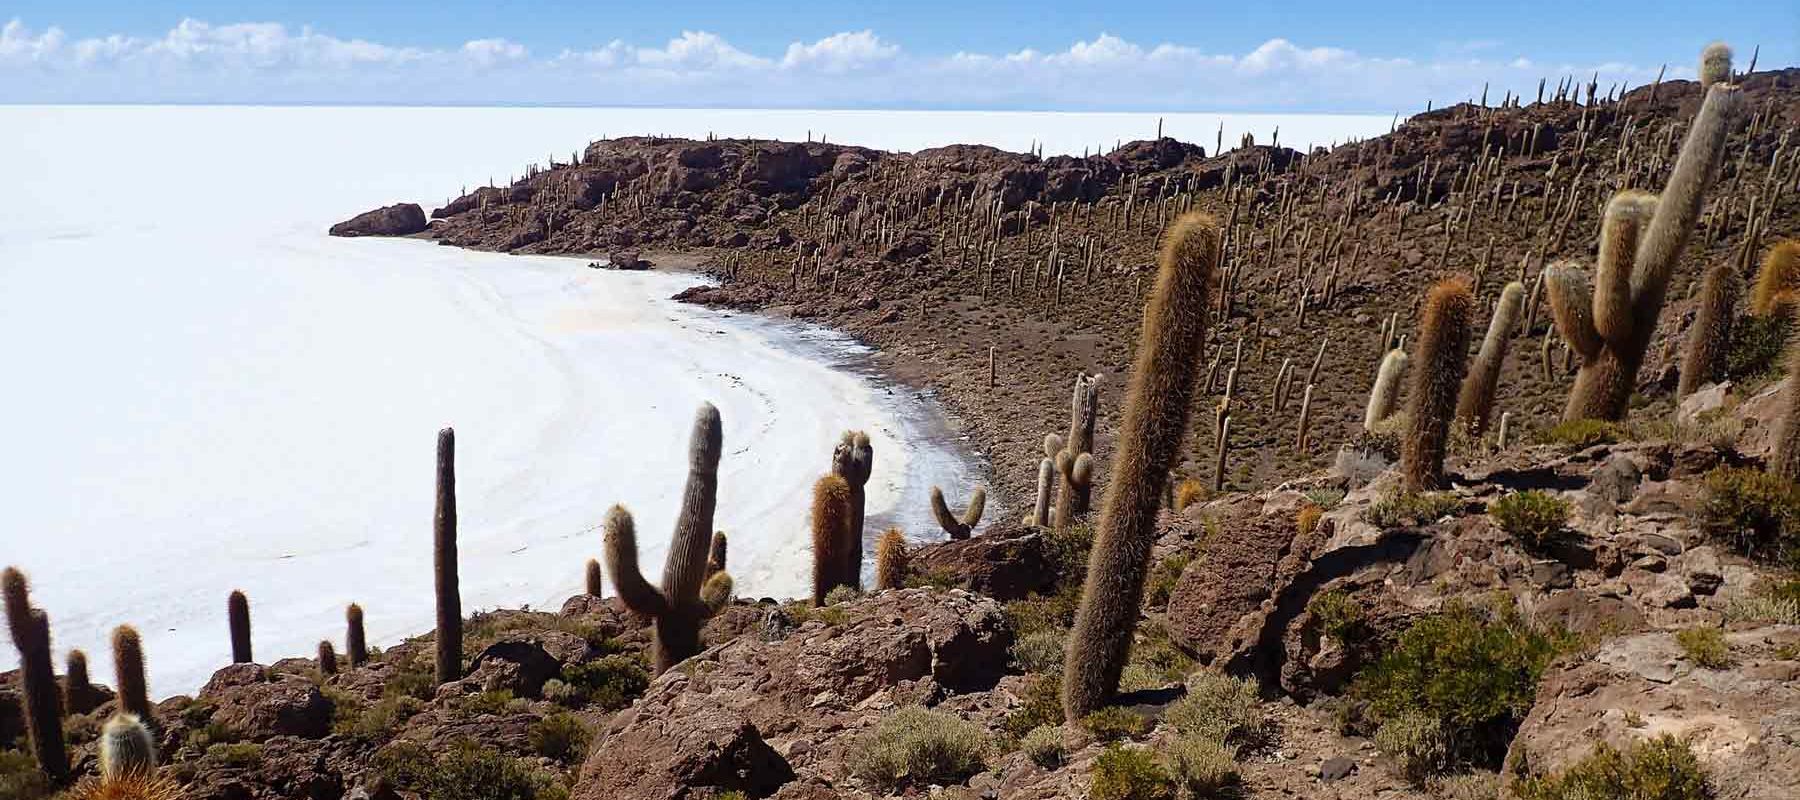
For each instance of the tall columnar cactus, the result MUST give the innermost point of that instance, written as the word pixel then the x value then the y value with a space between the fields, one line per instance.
pixel 77 687
pixel 356 645
pixel 593 581
pixel 128 672
pixel 1084 409
pixel 328 660
pixel 1476 403
pixel 830 533
pixel 237 618
pixel 677 607
pixel 443 536
pixel 853 460
pixel 1150 435
pixel 1443 348
pixel 715 554
pixel 1386 393
pixel 1709 340
pixel 1785 458
pixel 890 560
pixel 958 527
pixel 37 676
pixel 1778 281
pixel 1715 64
pixel 1640 240
pixel 126 748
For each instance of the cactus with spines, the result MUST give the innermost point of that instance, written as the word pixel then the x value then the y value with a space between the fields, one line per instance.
pixel 1386 392
pixel 676 608
pixel 77 687
pixel 1075 475
pixel 356 645
pixel 830 532
pixel 716 592
pixel 1778 280
pixel 1046 486
pixel 126 748
pixel 853 460
pixel 1443 359
pixel 37 676
pixel 328 660
pixel 1640 240
pixel 444 563
pixel 958 527
pixel 128 672
pixel 237 617
pixel 1784 460
pixel 1715 64
pixel 1154 423
pixel 890 560
pixel 1084 409
pixel 715 555
pixel 1709 339
pixel 1476 402
pixel 594 582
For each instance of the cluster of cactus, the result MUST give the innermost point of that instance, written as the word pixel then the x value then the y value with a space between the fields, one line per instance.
pixel 958 527
pixel 1610 321
pixel 1443 358
pixel 1155 420
pixel 678 608
pixel 30 629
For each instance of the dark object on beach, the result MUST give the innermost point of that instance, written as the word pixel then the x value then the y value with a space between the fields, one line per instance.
pixel 626 259
pixel 400 219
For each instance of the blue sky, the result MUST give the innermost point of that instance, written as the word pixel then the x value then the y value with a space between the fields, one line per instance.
pixel 1302 55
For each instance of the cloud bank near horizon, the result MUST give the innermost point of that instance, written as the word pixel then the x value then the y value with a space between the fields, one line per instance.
pixel 252 62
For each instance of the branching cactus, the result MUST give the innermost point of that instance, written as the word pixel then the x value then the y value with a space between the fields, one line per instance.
pixel 1075 473
pixel 958 527
pixel 237 617
pixel 1150 435
pixel 853 460
pixel 1709 340
pixel 1476 403
pixel 1386 393
pixel 356 645
pixel 677 608
pixel 890 560
pixel 128 672
pixel 1084 409
pixel 444 562
pixel 1443 359
pixel 830 531
pixel 1610 323
pixel 37 676
pixel 126 748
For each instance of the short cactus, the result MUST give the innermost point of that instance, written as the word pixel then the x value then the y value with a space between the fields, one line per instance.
pixel 37 676
pixel 594 581
pixel 716 592
pixel 1443 346
pixel 676 608
pixel 328 660
pixel 1785 458
pixel 715 555
pixel 449 590
pixel 237 617
pixel 1084 409
pixel 958 527
pixel 126 748
pixel 356 645
pixel 1150 436
pixel 830 530
pixel 1386 393
pixel 1046 485
pixel 1778 281
pixel 853 459
pixel 1709 339
pixel 1476 402
pixel 77 687
pixel 890 560
pixel 128 672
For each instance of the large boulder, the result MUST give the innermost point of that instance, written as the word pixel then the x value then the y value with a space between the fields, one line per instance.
pixel 400 219
pixel 255 704
pixel 1006 562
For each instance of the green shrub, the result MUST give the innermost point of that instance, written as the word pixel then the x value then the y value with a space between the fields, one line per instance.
pixel 1535 519
pixel 244 754
pixel 1663 768
pixel 1163 579
pixel 1223 709
pixel 1417 742
pixel 1753 512
pixel 1325 497
pixel 559 737
pixel 1338 614
pixel 1474 673
pixel 1155 658
pixel 1769 601
pixel 1467 786
pixel 418 684
pixel 481 703
pixel 210 734
pixel 610 682
pixel 1122 773
pixel 1410 509
pixel 472 772
pixel 1201 765
pixel 1756 346
pixel 934 579
pixel 1040 705
pixel 1113 723
pixel 1040 651
pixel 842 594
pixel 1044 746
pixel 406 765
pixel 1580 434
pixel 915 746
pixel 1705 646
pixel 1069 550
pixel 20 778
pixel 1036 613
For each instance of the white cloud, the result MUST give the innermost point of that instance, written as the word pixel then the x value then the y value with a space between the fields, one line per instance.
pixel 197 61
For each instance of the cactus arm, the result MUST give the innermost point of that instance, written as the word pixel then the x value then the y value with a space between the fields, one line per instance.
pixel 1476 403
pixel 1679 206
pixel 622 561
pixel 977 505
pixel 941 512
pixel 1571 304
pixel 1620 231
pixel 685 568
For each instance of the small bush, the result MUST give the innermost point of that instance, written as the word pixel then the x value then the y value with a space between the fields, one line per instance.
pixel 1410 509
pixel 1040 705
pixel 1535 519
pixel 1770 601
pixel 1753 512
pixel 1112 724
pixel 1705 646
pixel 1338 615
pixel 1580 434
pixel 245 754
pixel 1122 773
pixel 1040 651
pixel 1201 766
pixel 1044 746
pixel 1417 742
pixel 1069 550
pixel 1223 709
pixel 1756 346
pixel 417 684
pixel 377 720
pixel 483 703
pixel 1325 498
pixel 1663 768
pixel 1467 786
pixel 919 747
pixel 842 594
pixel 1163 579
pixel 559 737
pixel 20 778
pixel 1155 659
pixel 1189 492
pixel 472 772
pixel 406 765
pixel 610 682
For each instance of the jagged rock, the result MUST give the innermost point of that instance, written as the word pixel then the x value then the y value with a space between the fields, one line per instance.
pixel 710 747
pixel 1005 561
pixel 257 705
pixel 400 219
pixel 1226 581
